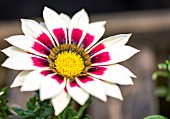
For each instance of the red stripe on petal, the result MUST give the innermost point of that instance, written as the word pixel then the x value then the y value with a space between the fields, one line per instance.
pixel 87 40
pixel 41 49
pixel 97 70
pixel 85 79
pixel 39 62
pixel 65 90
pixel 58 78
pixel 43 38
pixel 60 35
pixel 76 36
pixel 46 72
pixel 73 84
pixel 102 57
pixel 96 49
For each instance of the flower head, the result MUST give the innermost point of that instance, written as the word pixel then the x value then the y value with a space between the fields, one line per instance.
pixel 63 59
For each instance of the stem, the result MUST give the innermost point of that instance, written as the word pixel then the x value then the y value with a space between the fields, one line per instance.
pixel 5 115
pixel 160 74
pixel 83 108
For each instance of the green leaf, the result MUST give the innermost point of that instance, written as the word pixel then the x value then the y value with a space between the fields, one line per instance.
pixel 4 108
pixel 161 91
pixel 19 111
pixel 163 74
pixel 162 66
pixel 155 117
pixel 168 95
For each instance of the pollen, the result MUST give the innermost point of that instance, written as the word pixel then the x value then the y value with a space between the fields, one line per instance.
pixel 69 63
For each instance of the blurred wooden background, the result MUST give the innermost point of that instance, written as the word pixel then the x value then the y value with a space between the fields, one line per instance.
pixel 151 34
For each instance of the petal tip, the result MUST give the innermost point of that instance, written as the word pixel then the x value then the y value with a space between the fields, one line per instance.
pixel 42 98
pixel 121 98
pixel 7 39
pixel 136 51
pixel 22 89
pixel 134 76
pixel 129 35
pixel 83 11
pixel 131 83
pixel 24 21
pixel 13 86
pixel 47 9
pixel 3 51
pixel 105 99
pixel 104 22
pixel 4 64
pixel 57 113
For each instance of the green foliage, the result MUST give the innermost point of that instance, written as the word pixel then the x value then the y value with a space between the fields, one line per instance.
pixel 37 109
pixel 4 109
pixel 163 72
pixel 155 117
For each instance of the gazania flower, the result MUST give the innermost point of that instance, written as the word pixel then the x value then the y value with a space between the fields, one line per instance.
pixel 63 59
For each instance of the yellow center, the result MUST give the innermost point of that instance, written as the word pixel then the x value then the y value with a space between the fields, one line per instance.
pixel 69 63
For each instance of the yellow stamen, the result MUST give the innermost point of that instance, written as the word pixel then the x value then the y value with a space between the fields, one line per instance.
pixel 69 63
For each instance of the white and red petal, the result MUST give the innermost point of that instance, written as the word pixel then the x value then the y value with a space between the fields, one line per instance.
pixel 25 62
pixel 113 90
pixel 33 80
pixel 112 73
pixel 112 41
pixel 76 92
pixel 51 86
pixel 55 25
pixel 13 51
pixel 66 19
pixel 19 80
pixel 78 27
pixel 60 102
pixel 94 33
pixel 113 55
pixel 29 44
pixel 92 86
pixel 37 31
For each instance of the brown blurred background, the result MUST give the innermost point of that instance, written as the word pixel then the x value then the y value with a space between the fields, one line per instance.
pixel 148 21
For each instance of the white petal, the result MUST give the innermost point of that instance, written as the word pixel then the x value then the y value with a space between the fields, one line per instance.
pixel 54 22
pixel 94 33
pixel 29 44
pixel 113 73
pixel 79 21
pixel 113 90
pixel 51 86
pixel 116 40
pixel 126 70
pixel 19 80
pixel 25 62
pixel 78 94
pixel 113 55
pixel 35 30
pixel 33 81
pixel 60 102
pixel 92 86
pixel 13 51
pixel 65 18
